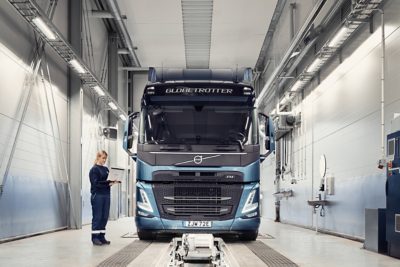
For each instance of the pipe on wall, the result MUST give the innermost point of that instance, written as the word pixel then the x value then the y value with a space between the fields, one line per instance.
pixel 381 162
pixel 114 9
pixel 383 63
pixel 310 19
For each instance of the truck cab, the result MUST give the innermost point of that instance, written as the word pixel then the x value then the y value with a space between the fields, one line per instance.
pixel 198 153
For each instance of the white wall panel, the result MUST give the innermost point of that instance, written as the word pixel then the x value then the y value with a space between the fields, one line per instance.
pixel 93 120
pixel 341 119
pixel 267 187
pixel 33 175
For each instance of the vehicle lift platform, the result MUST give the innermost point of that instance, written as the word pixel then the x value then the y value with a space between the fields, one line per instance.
pixel 198 249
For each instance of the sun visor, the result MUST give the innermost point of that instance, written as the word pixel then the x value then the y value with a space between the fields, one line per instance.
pixel 201 93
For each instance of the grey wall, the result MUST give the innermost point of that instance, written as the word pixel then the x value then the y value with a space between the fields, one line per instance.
pixel 341 119
pixel 139 82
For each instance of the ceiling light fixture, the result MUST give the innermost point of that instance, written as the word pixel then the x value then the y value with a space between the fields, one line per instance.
pixel 315 65
pixel 297 86
pixel 77 66
pixel 339 37
pixel 42 26
pixel 98 90
pixel 284 100
pixel 112 106
pixel 122 117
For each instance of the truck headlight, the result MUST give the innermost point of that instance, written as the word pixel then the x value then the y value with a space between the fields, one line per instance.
pixel 250 205
pixel 145 203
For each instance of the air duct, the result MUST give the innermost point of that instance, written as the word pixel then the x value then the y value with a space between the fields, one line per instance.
pixel 123 32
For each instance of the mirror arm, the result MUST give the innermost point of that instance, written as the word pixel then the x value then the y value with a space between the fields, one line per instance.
pixel 264 156
pixel 132 155
pixel 134 115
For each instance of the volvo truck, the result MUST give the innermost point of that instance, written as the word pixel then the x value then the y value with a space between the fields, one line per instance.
pixel 197 153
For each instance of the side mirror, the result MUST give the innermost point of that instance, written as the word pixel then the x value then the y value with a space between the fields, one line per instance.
pixel 131 131
pixel 267 130
pixel 134 115
pixel 267 145
pixel 129 134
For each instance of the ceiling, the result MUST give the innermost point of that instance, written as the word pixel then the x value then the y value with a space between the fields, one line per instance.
pixel 238 29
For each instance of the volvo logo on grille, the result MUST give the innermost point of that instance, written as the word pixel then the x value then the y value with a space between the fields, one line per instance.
pixel 198 159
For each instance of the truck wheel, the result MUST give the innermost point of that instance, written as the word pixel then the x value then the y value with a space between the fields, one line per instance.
pixel 145 235
pixel 249 236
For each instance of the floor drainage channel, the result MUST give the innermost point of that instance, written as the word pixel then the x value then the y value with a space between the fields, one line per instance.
pixel 269 256
pixel 125 255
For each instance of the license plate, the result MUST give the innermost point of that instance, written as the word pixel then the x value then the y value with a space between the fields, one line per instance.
pixel 198 224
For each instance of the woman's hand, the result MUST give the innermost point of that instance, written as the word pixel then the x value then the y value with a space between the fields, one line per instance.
pixel 113 182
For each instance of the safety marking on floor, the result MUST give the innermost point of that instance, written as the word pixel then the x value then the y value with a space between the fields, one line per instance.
pixel 269 256
pixel 130 235
pixel 265 236
pixel 125 255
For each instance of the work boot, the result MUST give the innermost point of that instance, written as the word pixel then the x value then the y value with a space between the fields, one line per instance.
pixel 103 239
pixel 96 240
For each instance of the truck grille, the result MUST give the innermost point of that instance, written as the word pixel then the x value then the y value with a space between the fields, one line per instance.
pixel 197 201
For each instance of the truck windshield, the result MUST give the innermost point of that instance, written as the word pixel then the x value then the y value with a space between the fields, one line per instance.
pixel 198 125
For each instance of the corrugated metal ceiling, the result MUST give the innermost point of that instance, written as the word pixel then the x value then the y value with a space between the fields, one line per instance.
pixel 198 33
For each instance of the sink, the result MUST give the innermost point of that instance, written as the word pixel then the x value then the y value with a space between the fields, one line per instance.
pixel 317 203
pixel 283 194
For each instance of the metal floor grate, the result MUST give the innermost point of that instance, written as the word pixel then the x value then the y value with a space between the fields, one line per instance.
pixel 125 255
pixel 269 256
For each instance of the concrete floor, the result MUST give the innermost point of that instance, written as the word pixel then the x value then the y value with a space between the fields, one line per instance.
pixel 73 248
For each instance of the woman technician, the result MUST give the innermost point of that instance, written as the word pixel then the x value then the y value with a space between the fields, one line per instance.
pixel 100 198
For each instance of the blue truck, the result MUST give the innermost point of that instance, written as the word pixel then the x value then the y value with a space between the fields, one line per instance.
pixel 198 153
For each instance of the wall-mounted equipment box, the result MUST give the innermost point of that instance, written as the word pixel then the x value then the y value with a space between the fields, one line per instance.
pixel 330 181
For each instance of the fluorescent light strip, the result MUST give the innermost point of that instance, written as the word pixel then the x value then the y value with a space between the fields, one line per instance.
pixel 77 66
pixel 42 26
pixel 112 106
pixel 296 86
pixel 98 90
pixel 339 37
pixel 122 117
pixel 314 66
pixel 284 100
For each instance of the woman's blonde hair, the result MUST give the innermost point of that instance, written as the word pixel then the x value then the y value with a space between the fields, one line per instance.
pixel 99 155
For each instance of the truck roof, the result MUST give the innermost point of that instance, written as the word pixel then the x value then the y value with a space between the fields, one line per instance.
pixel 199 87
pixel 162 75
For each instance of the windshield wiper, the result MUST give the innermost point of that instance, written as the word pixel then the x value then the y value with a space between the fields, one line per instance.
pixel 240 143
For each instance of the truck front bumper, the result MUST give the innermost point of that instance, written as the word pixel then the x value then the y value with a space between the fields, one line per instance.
pixel 160 225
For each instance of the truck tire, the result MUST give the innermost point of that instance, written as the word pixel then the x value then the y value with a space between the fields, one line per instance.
pixel 249 236
pixel 145 235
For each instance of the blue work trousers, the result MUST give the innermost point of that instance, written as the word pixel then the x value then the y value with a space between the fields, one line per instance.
pixel 100 211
